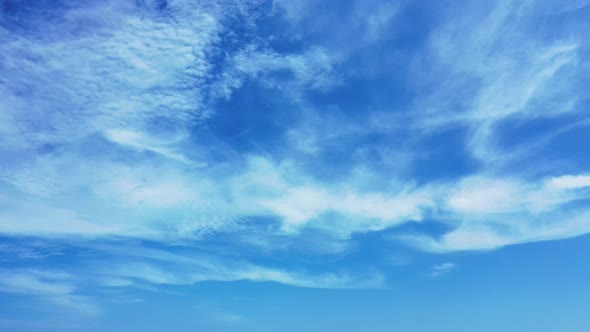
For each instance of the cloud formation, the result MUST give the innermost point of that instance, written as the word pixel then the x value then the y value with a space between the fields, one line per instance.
pixel 247 129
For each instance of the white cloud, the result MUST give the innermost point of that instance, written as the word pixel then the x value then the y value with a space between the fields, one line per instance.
pixel 55 287
pixel 361 211
pixel 311 280
pixel 236 271
pixel 139 266
pixel 567 182
pixel 500 233
pixel 494 213
pixel 313 68
pixel 28 283
pixel 299 201
pixel 140 141
pixel 127 69
pixel 495 69
pixel 148 192
pixel 486 195
pixel 369 21
pixel 480 195
pixel 41 219
pixel 442 269
pixel 167 203
pixel 496 233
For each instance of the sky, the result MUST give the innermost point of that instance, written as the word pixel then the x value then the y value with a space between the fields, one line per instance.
pixel 257 165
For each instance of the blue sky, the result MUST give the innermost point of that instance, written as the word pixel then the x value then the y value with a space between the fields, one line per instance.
pixel 249 165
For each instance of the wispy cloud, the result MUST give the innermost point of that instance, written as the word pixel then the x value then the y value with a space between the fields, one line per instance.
pixel 313 69
pixel 441 269
pixel 159 267
pixel 491 213
pixel 54 287
pixel 499 71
